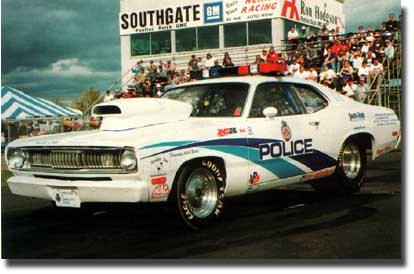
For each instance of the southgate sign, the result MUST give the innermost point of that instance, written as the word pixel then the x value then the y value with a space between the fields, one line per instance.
pixel 149 16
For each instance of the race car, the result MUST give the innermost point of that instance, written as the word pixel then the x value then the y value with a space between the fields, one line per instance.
pixel 205 141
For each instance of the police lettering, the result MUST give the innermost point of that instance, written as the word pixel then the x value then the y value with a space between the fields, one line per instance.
pixel 161 17
pixel 285 149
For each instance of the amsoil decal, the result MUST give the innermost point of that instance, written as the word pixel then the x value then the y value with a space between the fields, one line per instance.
pixel 160 191
pixel 221 132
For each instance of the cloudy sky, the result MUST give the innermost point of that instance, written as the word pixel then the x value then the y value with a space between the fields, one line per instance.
pixel 57 48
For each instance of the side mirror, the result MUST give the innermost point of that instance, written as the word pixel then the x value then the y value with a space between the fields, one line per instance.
pixel 270 112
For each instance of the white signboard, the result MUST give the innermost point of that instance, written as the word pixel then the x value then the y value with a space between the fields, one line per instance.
pixel 151 16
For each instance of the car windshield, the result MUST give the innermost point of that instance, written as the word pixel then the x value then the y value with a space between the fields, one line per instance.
pixel 212 100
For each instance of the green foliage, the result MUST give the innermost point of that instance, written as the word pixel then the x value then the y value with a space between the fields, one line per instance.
pixel 91 96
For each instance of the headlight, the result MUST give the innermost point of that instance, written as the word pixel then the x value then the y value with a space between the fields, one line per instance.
pixel 17 159
pixel 128 160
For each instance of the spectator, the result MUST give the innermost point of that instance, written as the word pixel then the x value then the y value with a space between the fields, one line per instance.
pixel 311 57
pixel 356 60
pixel 264 55
pixel 118 94
pixel 174 82
pixel 312 74
pixel 161 64
pixel 258 60
pixel 294 67
pixel 148 87
pixel 389 50
pixel 365 47
pixel 272 56
pixel 311 38
pixel 391 24
pixel 170 68
pixel 361 91
pixel 228 63
pixel 327 74
pixel 376 72
pixel 139 79
pixel 138 67
pixel 216 65
pixel 378 43
pixel 159 80
pixel 183 77
pixel 293 37
pixel 301 73
pixel 370 57
pixel 158 90
pixel 200 64
pixel 330 60
pixel 350 88
pixel 108 96
pixel 193 63
pixel 152 67
pixel 347 71
pixel 209 62
pixel 363 71
pixel 226 55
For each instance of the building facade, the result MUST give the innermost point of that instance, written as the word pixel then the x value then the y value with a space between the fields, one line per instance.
pixel 176 29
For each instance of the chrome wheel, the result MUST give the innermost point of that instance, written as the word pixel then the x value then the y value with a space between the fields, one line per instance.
pixel 201 193
pixel 351 160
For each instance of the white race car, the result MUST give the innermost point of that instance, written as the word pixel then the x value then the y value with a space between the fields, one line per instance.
pixel 204 141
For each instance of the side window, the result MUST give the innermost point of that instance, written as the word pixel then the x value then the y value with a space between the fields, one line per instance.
pixel 281 96
pixel 312 100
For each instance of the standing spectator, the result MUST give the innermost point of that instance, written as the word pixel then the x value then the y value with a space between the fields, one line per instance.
pixel 209 62
pixel 272 56
pixel 391 24
pixel 148 87
pixel 200 64
pixel 293 37
pixel 108 96
pixel 389 50
pixel 138 67
pixel 170 68
pixel 193 63
pixel 302 35
pixel 361 91
pixel 376 72
pixel 264 55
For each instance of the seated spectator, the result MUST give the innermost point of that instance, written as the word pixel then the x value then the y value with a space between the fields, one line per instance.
pixel 108 96
pixel 193 63
pixel 311 37
pixel 226 55
pixel 363 71
pixel 301 73
pixel 138 67
pixel 272 56
pixel 173 83
pixel 158 90
pixel 356 60
pixel 162 72
pixel 228 63
pixel 389 50
pixel 330 60
pixel 216 65
pixel 159 80
pixel 152 67
pixel 183 77
pixel 347 71
pixel 312 74
pixel 118 95
pixel 327 74
pixel 376 74
pixel 264 55
pixel 294 67
pixel 200 64
pixel 391 24
pixel 258 60
pixel 209 62
pixel 311 57
pixel 350 88
pixel 129 94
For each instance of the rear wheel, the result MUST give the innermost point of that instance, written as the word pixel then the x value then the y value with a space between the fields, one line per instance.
pixel 350 171
pixel 200 193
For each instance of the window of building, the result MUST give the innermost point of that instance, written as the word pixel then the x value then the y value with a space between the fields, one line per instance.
pixel 260 32
pixel 151 43
pixel 235 35
pixel 208 37
pixel 161 42
pixel 140 44
pixel 185 40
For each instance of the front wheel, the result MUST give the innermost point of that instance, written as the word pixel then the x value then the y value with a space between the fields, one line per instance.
pixel 350 171
pixel 200 193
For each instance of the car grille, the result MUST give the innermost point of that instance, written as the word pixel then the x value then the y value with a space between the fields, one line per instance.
pixel 75 159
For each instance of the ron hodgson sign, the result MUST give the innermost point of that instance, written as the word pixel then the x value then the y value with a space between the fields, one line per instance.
pixel 152 16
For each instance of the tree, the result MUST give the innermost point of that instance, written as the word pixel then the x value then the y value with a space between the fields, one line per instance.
pixel 91 96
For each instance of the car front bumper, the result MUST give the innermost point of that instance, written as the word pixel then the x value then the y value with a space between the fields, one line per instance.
pixel 89 191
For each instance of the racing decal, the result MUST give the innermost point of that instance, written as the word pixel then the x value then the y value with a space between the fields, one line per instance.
pixel 221 132
pixel 320 173
pixel 158 180
pixel 385 119
pixel 383 150
pixel 286 132
pixel 248 149
pixel 254 178
pixel 356 116
pixel 160 191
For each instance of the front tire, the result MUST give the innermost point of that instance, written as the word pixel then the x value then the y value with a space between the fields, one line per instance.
pixel 349 173
pixel 200 193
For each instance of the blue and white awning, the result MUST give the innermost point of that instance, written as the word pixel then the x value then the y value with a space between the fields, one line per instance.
pixel 18 105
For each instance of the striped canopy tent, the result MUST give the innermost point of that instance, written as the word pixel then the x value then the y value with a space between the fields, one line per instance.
pixel 18 105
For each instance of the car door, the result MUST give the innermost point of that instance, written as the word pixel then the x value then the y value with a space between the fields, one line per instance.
pixel 282 149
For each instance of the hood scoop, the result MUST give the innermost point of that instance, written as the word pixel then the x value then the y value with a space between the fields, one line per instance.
pixel 126 114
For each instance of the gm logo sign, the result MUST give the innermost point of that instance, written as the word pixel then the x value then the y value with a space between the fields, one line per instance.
pixel 213 12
